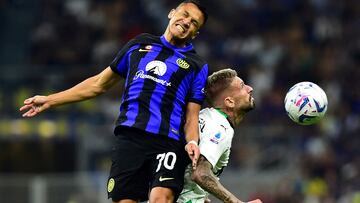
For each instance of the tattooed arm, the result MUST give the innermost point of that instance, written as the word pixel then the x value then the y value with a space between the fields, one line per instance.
pixel 204 177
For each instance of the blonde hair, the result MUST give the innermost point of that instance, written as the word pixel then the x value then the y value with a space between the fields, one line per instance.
pixel 217 82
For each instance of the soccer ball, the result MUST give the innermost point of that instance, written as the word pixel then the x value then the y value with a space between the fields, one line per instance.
pixel 306 103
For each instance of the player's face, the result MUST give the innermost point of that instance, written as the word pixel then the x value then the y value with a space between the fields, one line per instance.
pixel 185 22
pixel 244 101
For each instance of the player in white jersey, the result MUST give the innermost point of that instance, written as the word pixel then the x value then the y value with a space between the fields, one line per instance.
pixel 230 99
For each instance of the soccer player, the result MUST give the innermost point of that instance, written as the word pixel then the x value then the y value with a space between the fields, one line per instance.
pixel 230 99
pixel 159 111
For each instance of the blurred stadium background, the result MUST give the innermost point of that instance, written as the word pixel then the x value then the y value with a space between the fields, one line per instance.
pixel 62 156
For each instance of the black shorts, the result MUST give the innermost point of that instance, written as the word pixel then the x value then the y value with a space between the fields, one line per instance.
pixel 141 161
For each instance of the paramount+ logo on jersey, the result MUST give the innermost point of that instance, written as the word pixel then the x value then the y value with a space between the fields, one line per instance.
pixel 154 68
pixel 157 67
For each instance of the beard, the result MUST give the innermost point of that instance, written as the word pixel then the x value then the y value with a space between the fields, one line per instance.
pixel 249 108
pixel 246 109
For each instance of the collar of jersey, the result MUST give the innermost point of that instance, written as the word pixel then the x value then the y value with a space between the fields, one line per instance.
pixel 226 116
pixel 222 113
pixel 188 47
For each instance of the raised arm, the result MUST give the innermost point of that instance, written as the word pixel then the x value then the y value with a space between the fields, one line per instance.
pixel 191 129
pixel 87 89
pixel 206 179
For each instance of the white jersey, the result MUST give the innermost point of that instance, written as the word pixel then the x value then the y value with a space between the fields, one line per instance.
pixel 216 135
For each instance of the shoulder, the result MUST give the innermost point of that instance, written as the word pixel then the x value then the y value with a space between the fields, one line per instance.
pixel 207 119
pixel 214 120
pixel 206 113
pixel 196 59
pixel 146 38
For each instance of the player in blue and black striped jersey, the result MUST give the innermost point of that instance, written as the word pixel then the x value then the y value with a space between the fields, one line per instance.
pixel 159 111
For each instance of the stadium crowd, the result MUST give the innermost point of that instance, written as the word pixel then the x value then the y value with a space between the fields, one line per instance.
pixel 272 44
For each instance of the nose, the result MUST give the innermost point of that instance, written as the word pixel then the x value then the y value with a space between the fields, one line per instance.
pixel 187 22
pixel 250 89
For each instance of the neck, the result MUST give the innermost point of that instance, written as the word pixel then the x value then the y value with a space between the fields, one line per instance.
pixel 173 40
pixel 233 117
pixel 237 119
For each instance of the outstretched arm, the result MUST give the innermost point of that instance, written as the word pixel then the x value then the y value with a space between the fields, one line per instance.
pixel 87 89
pixel 204 177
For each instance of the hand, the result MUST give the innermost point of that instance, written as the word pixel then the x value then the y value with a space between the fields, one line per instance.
pixel 193 152
pixel 34 105
pixel 255 201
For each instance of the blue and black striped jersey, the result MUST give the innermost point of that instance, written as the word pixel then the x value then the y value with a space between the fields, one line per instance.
pixel 160 80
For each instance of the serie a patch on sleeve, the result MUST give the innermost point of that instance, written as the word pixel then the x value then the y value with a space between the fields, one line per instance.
pixel 216 138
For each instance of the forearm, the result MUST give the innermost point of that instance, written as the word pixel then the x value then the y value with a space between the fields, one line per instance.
pixel 82 91
pixel 87 89
pixel 206 179
pixel 191 127
pixel 212 185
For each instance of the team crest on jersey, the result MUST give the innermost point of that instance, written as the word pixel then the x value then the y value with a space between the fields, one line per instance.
pixel 182 63
pixel 111 184
pixel 156 67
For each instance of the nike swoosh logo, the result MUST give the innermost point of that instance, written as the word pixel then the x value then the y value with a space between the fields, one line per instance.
pixel 144 50
pixel 161 179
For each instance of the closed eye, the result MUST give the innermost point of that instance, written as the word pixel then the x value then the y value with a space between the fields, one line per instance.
pixel 242 84
pixel 195 23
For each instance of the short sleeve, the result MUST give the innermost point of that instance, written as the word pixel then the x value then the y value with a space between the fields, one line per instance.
pixel 198 85
pixel 119 64
pixel 212 142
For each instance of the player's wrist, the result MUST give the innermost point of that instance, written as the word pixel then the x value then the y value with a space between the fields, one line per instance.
pixel 191 142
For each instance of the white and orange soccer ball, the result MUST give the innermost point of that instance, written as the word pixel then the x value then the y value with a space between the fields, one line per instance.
pixel 306 103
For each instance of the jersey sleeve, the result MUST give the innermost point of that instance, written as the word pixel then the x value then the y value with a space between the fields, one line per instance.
pixel 198 85
pixel 212 141
pixel 119 64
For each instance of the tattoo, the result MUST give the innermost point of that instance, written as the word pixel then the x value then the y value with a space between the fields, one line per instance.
pixel 209 182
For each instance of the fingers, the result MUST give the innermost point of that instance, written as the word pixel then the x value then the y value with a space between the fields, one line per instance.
pixel 28 104
pixel 32 110
pixel 29 113
pixel 194 153
pixel 195 159
pixel 29 107
pixel 194 163
pixel 256 201
pixel 25 107
pixel 29 100
pixel 33 106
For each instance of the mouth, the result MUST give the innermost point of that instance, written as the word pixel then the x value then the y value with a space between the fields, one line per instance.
pixel 180 28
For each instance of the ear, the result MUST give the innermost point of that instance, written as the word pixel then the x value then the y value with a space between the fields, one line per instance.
pixel 229 102
pixel 171 13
